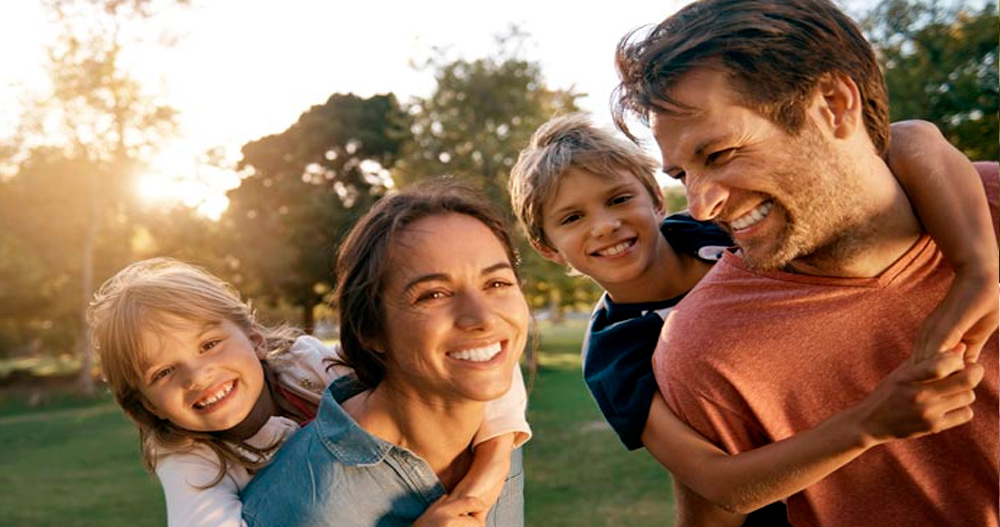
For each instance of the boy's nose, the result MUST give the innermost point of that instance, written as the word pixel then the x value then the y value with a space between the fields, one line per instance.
pixel 605 224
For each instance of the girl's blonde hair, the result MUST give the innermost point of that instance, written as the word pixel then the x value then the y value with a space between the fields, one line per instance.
pixel 145 296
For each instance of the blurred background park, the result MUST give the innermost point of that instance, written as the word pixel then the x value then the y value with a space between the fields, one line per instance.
pixel 248 136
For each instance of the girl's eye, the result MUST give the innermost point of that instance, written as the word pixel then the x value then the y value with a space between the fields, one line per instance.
pixel 570 219
pixel 161 374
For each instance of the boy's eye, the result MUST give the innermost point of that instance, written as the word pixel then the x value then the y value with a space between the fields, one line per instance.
pixel 618 200
pixel 210 344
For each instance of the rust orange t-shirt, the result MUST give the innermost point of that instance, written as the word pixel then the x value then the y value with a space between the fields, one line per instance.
pixel 749 358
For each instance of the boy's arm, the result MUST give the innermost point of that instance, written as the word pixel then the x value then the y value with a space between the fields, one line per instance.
pixel 947 194
pixel 182 476
pixel 914 400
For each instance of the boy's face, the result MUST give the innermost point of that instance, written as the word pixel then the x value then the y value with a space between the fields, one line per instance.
pixel 604 226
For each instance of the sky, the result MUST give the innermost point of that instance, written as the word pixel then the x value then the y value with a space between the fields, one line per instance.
pixel 242 69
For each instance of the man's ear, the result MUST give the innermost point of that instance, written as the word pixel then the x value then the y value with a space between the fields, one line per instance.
pixel 548 253
pixel 841 107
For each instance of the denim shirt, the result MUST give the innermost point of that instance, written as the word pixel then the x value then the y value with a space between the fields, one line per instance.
pixel 334 473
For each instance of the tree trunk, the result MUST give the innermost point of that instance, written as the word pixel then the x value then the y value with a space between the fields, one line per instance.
pixel 84 347
pixel 309 318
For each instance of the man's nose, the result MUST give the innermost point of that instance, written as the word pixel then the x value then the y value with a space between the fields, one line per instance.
pixel 706 199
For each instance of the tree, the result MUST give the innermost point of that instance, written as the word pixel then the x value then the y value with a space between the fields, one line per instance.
pixel 940 61
pixel 97 127
pixel 307 186
pixel 473 126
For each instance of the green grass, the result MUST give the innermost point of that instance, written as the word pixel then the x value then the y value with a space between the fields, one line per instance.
pixel 75 462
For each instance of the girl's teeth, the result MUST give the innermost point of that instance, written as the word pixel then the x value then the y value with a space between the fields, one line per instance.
pixel 215 397
pixel 753 217
pixel 477 354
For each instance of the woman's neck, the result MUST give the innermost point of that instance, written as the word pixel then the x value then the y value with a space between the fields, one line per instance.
pixel 439 432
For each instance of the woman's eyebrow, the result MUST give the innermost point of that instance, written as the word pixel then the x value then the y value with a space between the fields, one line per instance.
pixel 444 277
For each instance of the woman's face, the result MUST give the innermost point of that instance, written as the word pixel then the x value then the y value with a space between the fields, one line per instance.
pixel 455 318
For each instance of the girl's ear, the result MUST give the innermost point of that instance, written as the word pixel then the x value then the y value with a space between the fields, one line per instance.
pixel 152 409
pixel 259 343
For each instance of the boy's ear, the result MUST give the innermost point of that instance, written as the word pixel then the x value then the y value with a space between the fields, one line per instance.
pixel 841 105
pixel 548 253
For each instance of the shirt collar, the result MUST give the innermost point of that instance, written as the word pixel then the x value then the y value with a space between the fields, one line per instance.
pixel 340 434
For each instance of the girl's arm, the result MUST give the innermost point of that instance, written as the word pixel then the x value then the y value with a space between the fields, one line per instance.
pixel 947 193
pixel 504 428
pixel 914 400
pixel 183 477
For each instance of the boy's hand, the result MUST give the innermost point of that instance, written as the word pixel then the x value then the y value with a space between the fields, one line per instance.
pixel 454 511
pixel 930 396
pixel 968 315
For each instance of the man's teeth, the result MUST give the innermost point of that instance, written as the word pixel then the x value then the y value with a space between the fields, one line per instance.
pixel 616 249
pixel 214 398
pixel 477 354
pixel 753 217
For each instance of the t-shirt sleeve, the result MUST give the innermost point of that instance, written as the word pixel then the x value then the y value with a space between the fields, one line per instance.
pixel 184 476
pixel 619 375
pixel 507 414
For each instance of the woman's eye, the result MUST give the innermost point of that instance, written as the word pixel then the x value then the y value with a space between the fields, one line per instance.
pixel 499 283
pixel 431 295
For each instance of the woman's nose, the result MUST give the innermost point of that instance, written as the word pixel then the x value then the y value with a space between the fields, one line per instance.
pixel 474 312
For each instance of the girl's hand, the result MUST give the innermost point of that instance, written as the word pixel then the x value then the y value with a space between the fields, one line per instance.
pixel 489 469
pixel 930 396
pixel 968 315
pixel 452 511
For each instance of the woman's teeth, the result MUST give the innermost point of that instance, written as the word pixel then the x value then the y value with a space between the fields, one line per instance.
pixel 752 218
pixel 477 354
pixel 215 397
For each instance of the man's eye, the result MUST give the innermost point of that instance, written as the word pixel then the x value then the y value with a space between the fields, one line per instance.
pixel 721 156
pixel 498 284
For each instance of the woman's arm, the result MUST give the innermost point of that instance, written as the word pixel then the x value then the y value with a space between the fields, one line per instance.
pixel 191 504
pixel 914 400
pixel 947 193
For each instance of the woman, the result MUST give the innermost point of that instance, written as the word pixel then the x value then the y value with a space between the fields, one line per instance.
pixel 433 322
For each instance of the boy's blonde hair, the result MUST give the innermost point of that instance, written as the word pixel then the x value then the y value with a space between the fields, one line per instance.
pixel 146 296
pixel 572 141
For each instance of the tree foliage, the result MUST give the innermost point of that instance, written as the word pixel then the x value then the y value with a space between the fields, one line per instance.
pixel 941 65
pixel 306 186
pixel 473 126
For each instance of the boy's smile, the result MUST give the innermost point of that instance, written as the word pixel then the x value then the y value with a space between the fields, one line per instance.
pixel 605 226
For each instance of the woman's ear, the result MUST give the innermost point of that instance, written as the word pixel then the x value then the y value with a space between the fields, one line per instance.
pixel 841 104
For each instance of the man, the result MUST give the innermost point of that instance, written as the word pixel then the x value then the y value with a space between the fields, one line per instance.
pixel 774 115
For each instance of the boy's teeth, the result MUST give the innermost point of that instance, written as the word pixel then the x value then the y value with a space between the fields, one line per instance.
pixel 214 398
pixel 753 217
pixel 615 249
pixel 477 354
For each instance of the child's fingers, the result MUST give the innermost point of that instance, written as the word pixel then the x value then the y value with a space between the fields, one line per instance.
pixel 960 381
pixel 937 366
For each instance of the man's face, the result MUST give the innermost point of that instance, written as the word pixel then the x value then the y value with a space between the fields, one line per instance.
pixel 784 199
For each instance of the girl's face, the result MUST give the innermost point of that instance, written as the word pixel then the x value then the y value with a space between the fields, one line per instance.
pixel 455 318
pixel 204 377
